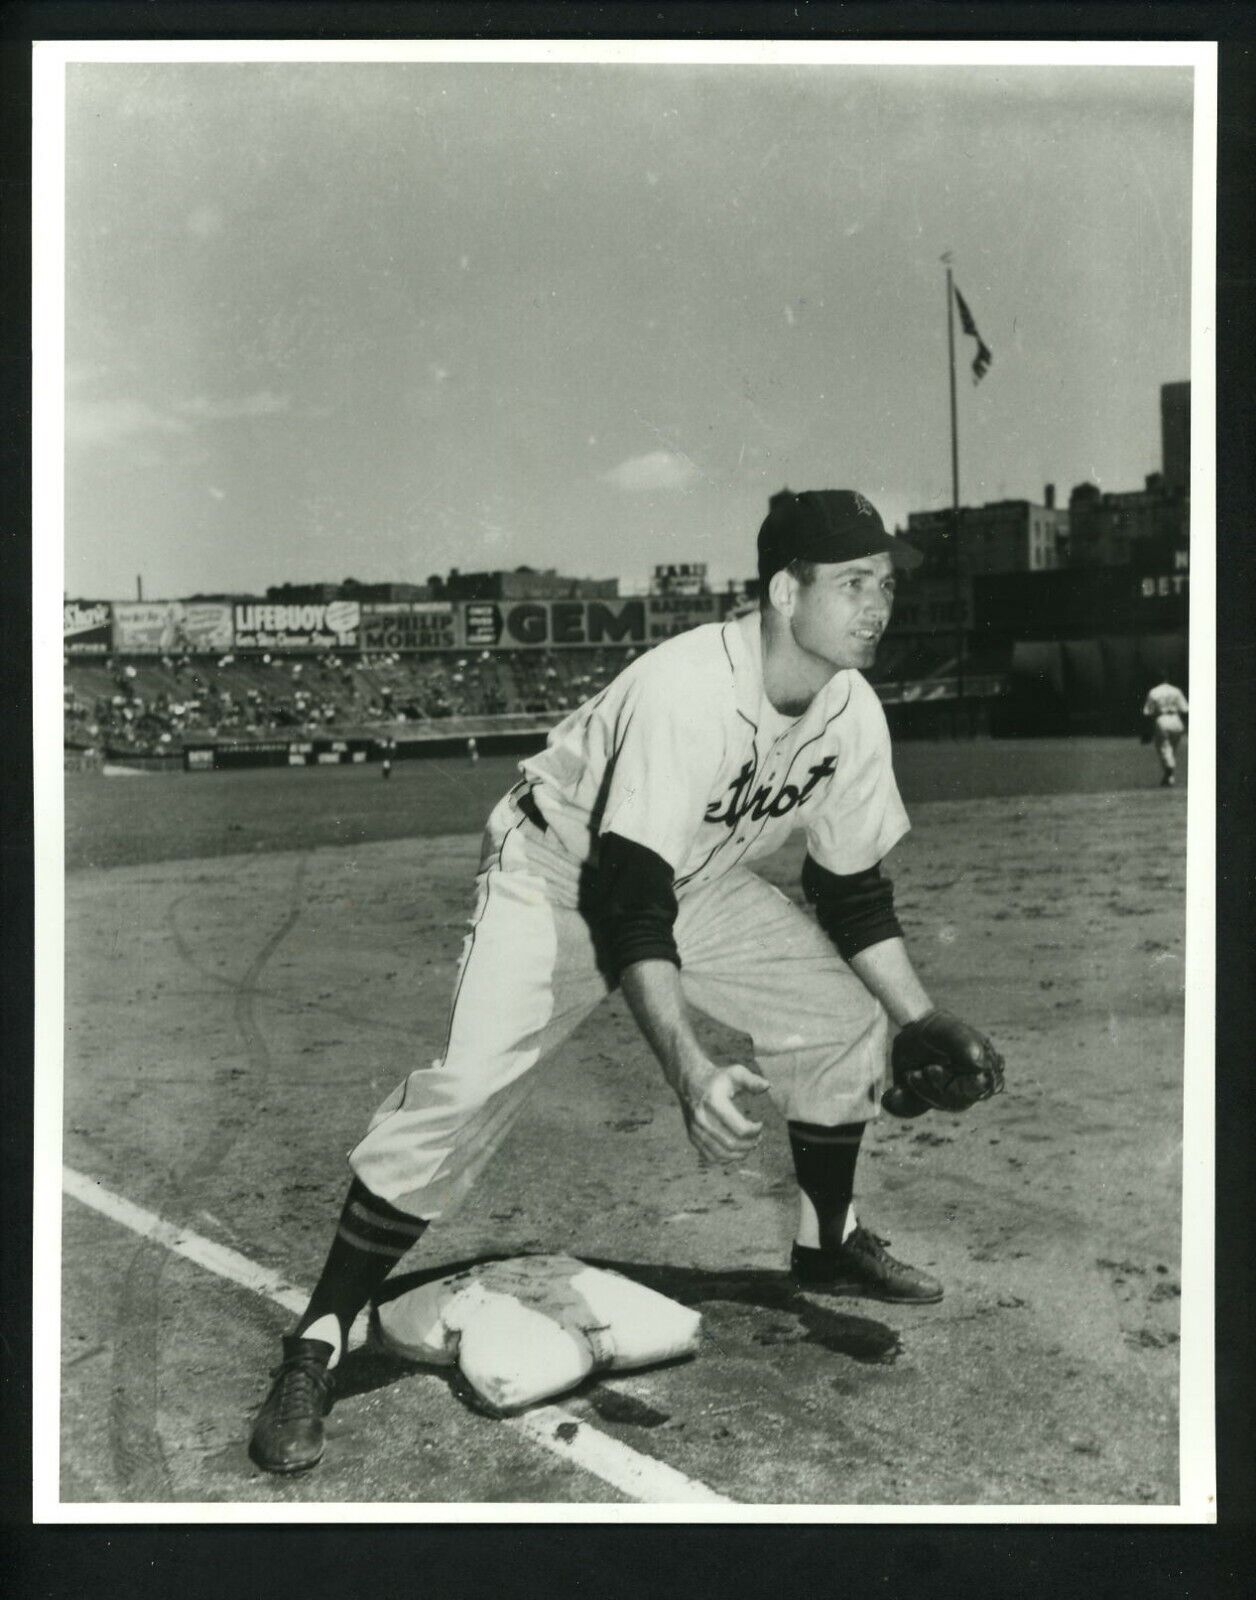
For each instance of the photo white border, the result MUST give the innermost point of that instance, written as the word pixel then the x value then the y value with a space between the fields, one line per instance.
pixel 1197 1464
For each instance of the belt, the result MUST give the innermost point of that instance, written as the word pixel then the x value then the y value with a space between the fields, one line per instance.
pixel 531 810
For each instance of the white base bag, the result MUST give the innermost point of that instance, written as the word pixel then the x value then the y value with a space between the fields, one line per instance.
pixel 526 1329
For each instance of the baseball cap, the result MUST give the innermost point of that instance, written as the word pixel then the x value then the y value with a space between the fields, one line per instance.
pixel 826 525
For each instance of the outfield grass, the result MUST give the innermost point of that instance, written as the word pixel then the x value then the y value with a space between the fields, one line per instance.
pixel 114 821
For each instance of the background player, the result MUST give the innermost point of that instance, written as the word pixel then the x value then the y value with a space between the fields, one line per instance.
pixel 622 858
pixel 1166 709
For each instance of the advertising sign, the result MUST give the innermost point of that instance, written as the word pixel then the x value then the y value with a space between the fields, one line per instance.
pixel 403 625
pixel 277 753
pixel 207 625
pixel 88 627
pixel 1163 601
pixel 670 614
pixel 262 625
pixel 1163 585
pixel 167 627
pixel 549 624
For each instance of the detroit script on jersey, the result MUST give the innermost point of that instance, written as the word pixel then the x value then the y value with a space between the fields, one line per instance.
pixel 744 800
pixel 684 754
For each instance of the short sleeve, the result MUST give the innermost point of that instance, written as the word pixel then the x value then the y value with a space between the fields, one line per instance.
pixel 863 817
pixel 664 766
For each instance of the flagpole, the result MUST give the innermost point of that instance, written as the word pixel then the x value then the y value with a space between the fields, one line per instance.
pixel 956 586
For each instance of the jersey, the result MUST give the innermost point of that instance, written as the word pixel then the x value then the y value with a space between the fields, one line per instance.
pixel 1167 704
pixel 684 754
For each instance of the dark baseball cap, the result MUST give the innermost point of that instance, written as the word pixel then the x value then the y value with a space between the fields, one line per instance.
pixel 826 525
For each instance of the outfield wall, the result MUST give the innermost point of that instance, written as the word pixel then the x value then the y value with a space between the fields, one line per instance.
pixel 1087 685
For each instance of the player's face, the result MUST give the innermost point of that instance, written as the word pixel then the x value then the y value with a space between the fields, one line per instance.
pixel 841 616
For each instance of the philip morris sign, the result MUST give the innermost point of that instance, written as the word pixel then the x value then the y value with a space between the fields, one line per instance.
pixel 401 625
pixel 263 626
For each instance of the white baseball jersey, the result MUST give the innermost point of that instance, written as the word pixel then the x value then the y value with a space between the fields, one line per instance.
pixel 1167 704
pixel 684 753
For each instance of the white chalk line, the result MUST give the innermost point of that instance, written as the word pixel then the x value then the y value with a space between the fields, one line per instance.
pixel 641 1478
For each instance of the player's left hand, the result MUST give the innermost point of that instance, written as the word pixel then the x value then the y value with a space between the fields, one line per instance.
pixel 941 1064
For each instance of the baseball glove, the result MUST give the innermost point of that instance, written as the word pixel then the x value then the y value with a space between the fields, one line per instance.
pixel 941 1064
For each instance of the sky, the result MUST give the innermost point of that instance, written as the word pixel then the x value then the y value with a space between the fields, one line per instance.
pixel 380 320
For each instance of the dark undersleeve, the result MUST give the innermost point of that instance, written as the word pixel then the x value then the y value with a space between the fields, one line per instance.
pixel 637 901
pixel 855 910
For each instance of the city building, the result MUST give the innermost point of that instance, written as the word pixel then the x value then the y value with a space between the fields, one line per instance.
pixel 376 593
pixel 1175 437
pixel 1000 536
pixel 316 594
pixel 523 583
pixel 302 594
pixel 1115 530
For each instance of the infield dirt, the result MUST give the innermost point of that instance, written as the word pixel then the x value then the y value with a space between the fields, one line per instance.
pixel 233 1018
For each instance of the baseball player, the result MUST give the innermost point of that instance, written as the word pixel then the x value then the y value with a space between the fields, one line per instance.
pixel 623 857
pixel 1166 709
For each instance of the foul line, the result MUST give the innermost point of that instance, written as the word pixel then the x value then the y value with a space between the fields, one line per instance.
pixel 640 1477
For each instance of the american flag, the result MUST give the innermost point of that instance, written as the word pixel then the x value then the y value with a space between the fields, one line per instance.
pixel 983 358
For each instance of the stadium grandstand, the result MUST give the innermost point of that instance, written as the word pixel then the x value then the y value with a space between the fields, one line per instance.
pixel 154 706
pixel 153 681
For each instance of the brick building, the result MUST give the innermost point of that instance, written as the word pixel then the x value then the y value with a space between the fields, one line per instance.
pixel 1115 530
pixel 1175 437
pixel 523 583
pixel 1000 536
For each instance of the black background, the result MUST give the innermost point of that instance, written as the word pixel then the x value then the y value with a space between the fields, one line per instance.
pixel 451 1562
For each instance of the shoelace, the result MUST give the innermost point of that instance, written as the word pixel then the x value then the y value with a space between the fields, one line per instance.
pixel 303 1388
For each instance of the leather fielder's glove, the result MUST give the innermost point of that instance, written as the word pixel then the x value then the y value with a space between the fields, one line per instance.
pixel 941 1064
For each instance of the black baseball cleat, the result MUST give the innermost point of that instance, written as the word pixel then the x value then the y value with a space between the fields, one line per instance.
pixel 861 1267
pixel 288 1432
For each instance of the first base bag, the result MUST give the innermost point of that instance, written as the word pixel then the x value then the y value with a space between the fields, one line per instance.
pixel 526 1329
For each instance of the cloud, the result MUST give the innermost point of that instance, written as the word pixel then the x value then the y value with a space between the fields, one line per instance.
pixel 104 422
pixel 660 469
pixel 261 404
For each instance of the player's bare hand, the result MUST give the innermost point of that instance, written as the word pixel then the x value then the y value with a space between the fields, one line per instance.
pixel 717 1127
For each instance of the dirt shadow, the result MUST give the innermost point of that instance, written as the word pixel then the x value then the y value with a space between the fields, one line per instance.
pixel 861 1338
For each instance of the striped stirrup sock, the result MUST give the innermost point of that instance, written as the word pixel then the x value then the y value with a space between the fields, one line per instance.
pixel 371 1239
pixel 824 1160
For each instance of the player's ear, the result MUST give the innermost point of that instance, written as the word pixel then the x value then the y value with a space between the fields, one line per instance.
pixel 782 588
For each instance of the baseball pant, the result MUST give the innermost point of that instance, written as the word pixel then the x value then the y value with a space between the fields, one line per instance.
pixel 1168 736
pixel 530 974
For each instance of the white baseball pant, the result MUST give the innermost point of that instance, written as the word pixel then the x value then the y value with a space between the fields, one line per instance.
pixel 529 975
